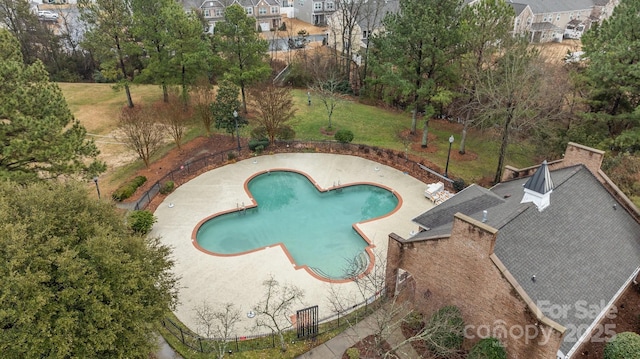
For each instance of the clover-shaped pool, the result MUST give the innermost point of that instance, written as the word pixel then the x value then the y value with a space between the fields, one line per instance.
pixel 315 227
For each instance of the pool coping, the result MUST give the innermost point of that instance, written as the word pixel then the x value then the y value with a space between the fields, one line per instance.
pixel 368 249
pixel 214 280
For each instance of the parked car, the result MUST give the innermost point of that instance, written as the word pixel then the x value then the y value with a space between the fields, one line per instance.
pixel 297 43
pixel 48 15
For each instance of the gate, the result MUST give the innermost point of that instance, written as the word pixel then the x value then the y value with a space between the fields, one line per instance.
pixel 307 322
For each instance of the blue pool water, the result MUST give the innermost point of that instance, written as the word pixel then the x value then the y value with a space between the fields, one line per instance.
pixel 315 227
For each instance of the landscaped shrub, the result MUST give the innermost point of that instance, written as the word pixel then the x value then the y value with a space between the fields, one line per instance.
pixel 141 222
pixel 167 187
pixel 231 156
pixel 259 132
pixel 255 143
pixel 623 346
pixel 128 189
pixel 447 328
pixel 286 133
pixel 415 320
pixel 488 348
pixel 298 75
pixel 353 353
pixel 344 136
pixel 458 184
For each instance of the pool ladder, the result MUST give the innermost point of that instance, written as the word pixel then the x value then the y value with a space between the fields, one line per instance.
pixel 241 210
pixel 336 188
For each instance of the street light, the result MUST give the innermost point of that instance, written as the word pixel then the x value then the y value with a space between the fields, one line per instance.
pixel 235 116
pixel 95 180
pixel 446 169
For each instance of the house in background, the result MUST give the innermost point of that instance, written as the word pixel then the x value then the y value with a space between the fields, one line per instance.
pixel 536 261
pixel 315 12
pixel 266 12
pixel 557 20
pixel 368 22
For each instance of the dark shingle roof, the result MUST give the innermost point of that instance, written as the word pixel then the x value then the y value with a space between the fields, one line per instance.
pixel 546 6
pixel 544 26
pixel 518 8
pixel 581 248
pixel 541 181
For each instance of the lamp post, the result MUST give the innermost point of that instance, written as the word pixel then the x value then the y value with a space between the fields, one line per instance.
pixel 235 116
pixel 446 169
pixel 95 180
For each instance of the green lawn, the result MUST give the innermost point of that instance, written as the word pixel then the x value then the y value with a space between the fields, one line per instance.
pixel 379 127
pixel 97 107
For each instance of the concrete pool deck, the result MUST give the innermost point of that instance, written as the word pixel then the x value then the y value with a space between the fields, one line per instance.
pixel 216 280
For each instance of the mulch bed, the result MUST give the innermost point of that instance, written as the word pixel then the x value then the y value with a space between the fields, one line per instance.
pixel 369 350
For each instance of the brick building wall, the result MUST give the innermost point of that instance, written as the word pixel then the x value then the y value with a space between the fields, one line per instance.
pixel 590 157
pixel 462 270
pixel 575 154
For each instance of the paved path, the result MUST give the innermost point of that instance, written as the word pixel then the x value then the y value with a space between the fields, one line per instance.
pixel 238 279
pixel 165 351
pixel 335 348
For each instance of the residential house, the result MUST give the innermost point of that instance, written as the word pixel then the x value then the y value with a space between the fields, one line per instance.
pixel 366 22
pixel 266 12
pixel 315 12
pixel 537 260
pixel 554 20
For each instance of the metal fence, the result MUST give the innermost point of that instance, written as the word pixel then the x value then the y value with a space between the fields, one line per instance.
pixel 270 340
pixel 396 159
pixel 184 173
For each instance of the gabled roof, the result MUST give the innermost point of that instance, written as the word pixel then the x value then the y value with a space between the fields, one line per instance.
pixel 518 8
pixel 372 13
pixel 547 6
pixel 544 26
pixel 582 248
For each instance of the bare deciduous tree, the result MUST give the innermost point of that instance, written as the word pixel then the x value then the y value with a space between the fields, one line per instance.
pixel 174 117
pixel 326 89
pixel 202 97
pixel 275 308
pixel 391 312
pixel 219 324
pixel 274 108
pixel 140 132
pixel 512 94
pixel 370 286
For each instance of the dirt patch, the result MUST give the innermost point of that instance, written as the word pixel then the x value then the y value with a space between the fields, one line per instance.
pixel 555 52
pixel 627 319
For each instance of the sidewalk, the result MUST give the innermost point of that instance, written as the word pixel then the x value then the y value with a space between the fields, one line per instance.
pixel 165 351
pixel 335 348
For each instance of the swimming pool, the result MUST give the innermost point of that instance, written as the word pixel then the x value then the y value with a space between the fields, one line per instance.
pixel 314 227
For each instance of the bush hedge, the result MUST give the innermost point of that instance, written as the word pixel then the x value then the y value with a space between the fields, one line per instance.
pixel 167 187
pixel 625 345
pixel 141 222
pixel 488 348
pixel 128 189
pixel 447 327
pixel 344 136
pixel 254 144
